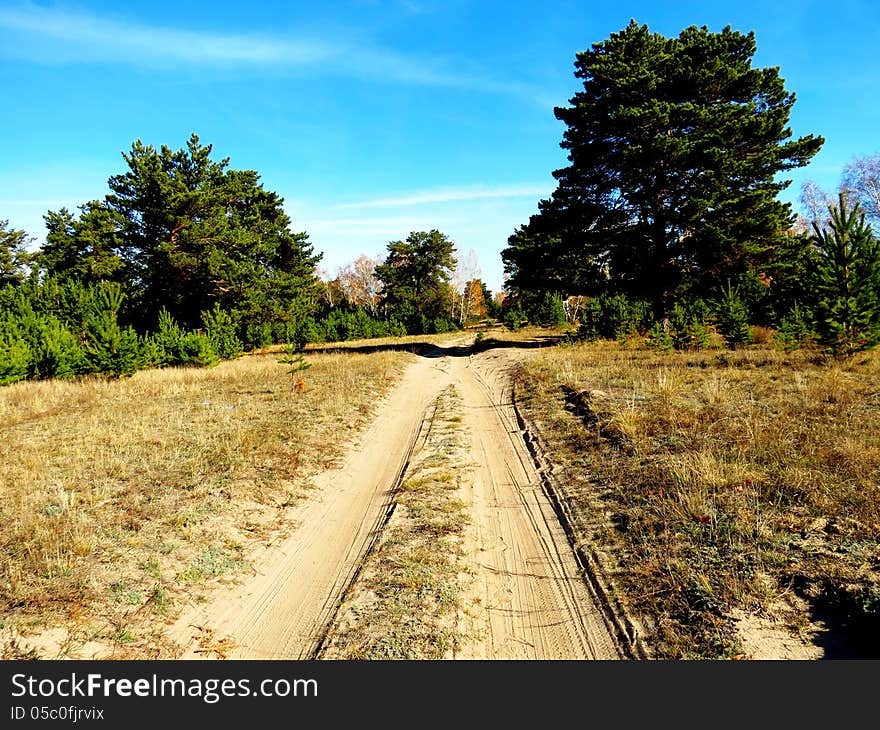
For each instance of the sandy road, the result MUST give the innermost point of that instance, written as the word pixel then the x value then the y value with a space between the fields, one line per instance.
pixel 281 613
pixel 535 604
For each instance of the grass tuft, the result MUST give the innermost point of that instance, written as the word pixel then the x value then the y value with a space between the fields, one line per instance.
pixel 406 600
pixel 729 481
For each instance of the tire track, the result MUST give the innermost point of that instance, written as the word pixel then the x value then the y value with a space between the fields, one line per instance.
pixel 530 596
pixel 537 603
pixel 283 612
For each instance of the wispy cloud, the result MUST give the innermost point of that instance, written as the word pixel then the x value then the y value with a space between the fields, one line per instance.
pixel 89 37
pixel 62 36
pixel 448 195
pixel 373 226
pixel 33 202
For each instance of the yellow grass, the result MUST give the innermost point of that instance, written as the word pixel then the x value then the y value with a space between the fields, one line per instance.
pixel 405 602
pixel 120 499
pixel 721 480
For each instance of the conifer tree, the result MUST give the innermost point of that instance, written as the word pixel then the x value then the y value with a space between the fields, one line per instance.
pixel 85 249
pixel 110 348
pixel 675 146
pixel 415 279
pixel 185 232
pixel 847 280
pixel 14 257
pixel 732 317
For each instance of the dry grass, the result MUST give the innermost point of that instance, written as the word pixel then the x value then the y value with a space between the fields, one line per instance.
pixel 721 481
pixel 121 498
pixel 406 600
pixel 408 343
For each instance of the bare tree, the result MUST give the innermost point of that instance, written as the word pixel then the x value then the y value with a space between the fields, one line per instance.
pixel 815 202
pixel 328 286
pixel 467 269
pixel 359 283
pixel 861 182
pixel 573 306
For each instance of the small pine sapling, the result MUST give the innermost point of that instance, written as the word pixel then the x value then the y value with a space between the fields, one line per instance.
pixel 732 317
pixel 297 361
pixel 847 281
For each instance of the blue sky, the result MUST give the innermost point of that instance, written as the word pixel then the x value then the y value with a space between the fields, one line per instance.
pixel 373 118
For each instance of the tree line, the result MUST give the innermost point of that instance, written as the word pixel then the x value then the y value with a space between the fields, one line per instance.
pixel 666 223
pixel 667 219
pixel 186 261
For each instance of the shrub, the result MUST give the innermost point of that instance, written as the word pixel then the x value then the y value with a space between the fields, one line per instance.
pixel 441 324
pixel 514 317
pixel 151 355
pixel 197 349
pixel 57 353
pixel 341 324
pixel 659 338
pixel 795 330
pixel 15 354
pixel 310 331
pixel 108 347
pixel 761 335
pixel 549 311
pixel 688 326
pixel 732 317
pixel 220 329
pixel 171 345
pixel 111 349
pixel 164 349
pixel 258 335
pixel 395 328
pixel 613 317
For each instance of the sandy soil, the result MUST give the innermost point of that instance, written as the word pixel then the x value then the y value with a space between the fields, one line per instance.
pixel 537 605
pixel 535 601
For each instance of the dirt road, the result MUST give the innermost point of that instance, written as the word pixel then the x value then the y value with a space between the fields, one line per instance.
pixel 535 601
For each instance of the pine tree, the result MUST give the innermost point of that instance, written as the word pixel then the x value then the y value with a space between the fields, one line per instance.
pixel 688 326
pixel 14 257
pixel 613 318
pixel 15 353
pixel 84 249
pixel 110 348
pixel 58 353
pixel 415 279
pixel 847 281
pixel 732 317
pixel 547 311
pixel 166 341
pixel 184 232
pixel 675 145
pixel 795 329
pixel 220 329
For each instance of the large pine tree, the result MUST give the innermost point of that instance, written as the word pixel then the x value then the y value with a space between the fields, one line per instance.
pixel 186 233
pixel 415 279
pixel 675 145
pixel 85 249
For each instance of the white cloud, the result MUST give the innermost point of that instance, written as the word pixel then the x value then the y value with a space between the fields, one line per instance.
pixel 53 35
pixel 96 38
pixel 371 226
pixel 447 195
